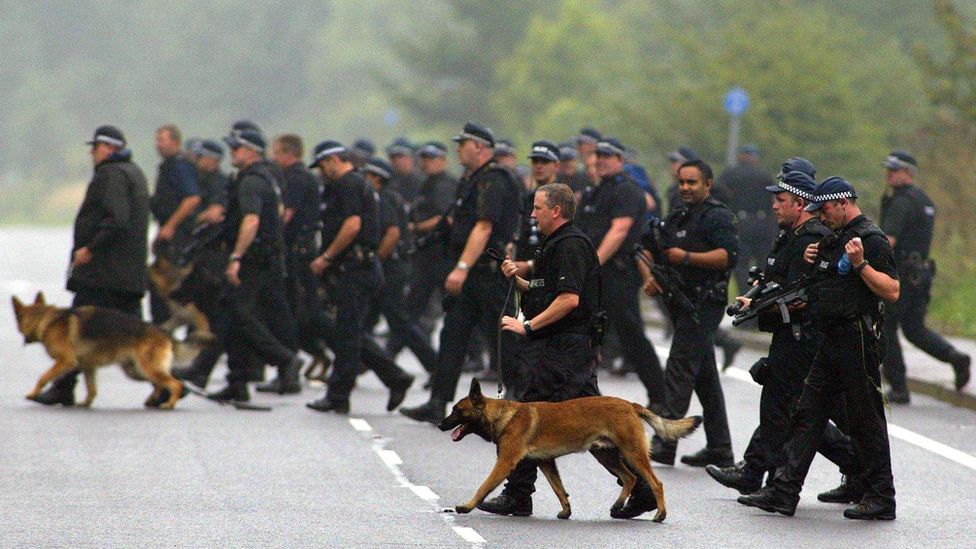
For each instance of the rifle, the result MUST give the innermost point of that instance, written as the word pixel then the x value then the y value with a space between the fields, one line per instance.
pixel 668 278
pixel 772 295
pixel 202 235
pixel 756 287
pixel 436 235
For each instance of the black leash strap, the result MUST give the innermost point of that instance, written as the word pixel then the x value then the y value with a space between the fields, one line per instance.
pixel 500 257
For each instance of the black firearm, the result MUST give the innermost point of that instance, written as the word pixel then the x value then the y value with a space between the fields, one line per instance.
pixel 755 281
pixel 666 276
pixel 434 236
pixel 202 235
pixel 780 297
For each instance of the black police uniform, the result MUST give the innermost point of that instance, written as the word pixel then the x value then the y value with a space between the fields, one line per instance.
pixel 491 193
pixel 556 361
pixel 177 180
pixel 791 353
pixel 615 197
pixel 749 201
pixel 407 185
pixel 391 302
pixel 908 215
pixel 355 277
pixel 255 191
pixel 691 368
pixel 303 197
pixel 846 364
pixel 529 236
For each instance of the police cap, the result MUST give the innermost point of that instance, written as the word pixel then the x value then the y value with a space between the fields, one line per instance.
pixel 324 150
pixel 432 149
pixel 797 164
pixel 476 132
pixel 900 160
pixel 610 146
pixel 108 134
pixel 832 188
pixel 242 125
pixel 545 150
pixel 246 138
pixel 209 147
pixel 504 147
pixel 567 152
pixel 364 147
pixel 589 136
pixel 400 147
pixel 379 167
pixel 682 154
pixel 798 183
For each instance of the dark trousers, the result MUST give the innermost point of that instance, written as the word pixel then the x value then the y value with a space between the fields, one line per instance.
pixel 303 296
pixel 430 267
pixel 846 365
pixel 691 368
pixel 555 369
pixel 480 301
pixel 788 366
pixel 126 302
pixel 621 288
pixel 403 327
pixel 262 289
pixel 909 313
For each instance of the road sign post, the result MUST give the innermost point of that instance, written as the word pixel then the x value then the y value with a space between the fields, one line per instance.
pixel 736 103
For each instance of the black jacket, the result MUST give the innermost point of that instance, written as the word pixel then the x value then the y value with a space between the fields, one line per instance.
pixel 113 223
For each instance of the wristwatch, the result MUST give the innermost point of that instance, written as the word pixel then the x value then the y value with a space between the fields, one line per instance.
pixel 686 260
pixel 234 257
pixel 462 266
pixel 528 327
pixel 861 267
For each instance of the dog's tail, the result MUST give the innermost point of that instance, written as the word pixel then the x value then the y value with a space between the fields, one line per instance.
pixel 668 429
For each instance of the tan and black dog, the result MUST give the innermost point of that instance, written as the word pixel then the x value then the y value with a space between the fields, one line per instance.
pixel 88 337
pixel 609 428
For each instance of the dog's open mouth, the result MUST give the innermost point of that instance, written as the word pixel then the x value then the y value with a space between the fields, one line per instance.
pixel 458 433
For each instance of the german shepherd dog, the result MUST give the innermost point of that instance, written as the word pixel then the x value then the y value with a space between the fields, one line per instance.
pixel 167 278
pixel 609 428
pixel 86 338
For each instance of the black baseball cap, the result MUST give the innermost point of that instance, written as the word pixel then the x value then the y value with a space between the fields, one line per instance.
pixel 109 135
pixel 545 150
pixel 476 132
pixel 246 138
pixel 325 149
pixel 832 188
pixel 900 160
pixel 432 149
pixel 683 154
pixel 798 183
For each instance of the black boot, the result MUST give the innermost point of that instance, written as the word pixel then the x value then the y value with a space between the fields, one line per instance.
pixel 960 365
pixel 737 476
pixel 325 405
pixel 504 504
pixel 235 390
pixel 287 381
pixel 431 412
pixel 771 500
pixel 849 491
pixel 730 348
pixel 663 452
pixel 641 500
pixel 192 375
pixel 899 396
pixel 871 510
pixel 721 457
pixel 62 391
pixel 398 392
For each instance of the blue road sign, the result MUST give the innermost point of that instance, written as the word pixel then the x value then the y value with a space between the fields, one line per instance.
pixel 736 101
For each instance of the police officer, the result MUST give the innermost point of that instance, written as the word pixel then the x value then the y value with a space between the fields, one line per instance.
pixel 174 203
pixel 390 301
pixel 485 216
pixel 908 217
pixel 350 236
pixel 746 182
pixel 301 200
pixel 560 298
pixel 858 270
pixel 793 345
pixel 108 256
pixel 569 172
pixel 544 157
pixel 255 272
pixel 405 180
pixel 703 247
pixel 612 217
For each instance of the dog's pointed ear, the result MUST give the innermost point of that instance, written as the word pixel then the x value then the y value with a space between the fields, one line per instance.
pixel 39 299
pixel 18 305
pixel 475 392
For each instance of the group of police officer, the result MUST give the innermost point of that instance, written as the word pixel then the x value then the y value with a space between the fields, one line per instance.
pixel 286 260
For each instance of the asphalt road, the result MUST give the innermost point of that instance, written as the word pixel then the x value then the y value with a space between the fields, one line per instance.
pixel 117 475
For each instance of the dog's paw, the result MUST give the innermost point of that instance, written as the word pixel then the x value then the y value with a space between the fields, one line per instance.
pixel 659 516
pixel 462 509
pixel 564 514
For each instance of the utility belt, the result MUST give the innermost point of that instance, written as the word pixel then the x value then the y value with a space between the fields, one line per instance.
pixel 698 293
pixel 356 256
pixel 836 324
pixel 914 270
pixel 303 243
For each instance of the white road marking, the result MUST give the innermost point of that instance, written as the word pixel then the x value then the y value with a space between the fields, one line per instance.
pixel 469 534
pixel 911 437
pixel 390 458
pixel 360 424
pixel 424 493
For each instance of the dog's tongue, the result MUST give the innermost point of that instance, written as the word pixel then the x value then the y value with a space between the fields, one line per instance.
pixel 457 433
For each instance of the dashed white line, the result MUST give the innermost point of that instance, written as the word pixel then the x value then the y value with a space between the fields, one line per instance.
pixel 389 457
pixel 424 493
pixel 469 534
pixel 360 424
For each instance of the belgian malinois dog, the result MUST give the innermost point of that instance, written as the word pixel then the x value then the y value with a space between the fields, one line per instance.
pixel 86 338
pixel 609 428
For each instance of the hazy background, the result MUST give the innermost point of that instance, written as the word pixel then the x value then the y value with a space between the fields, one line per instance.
pixel 840 82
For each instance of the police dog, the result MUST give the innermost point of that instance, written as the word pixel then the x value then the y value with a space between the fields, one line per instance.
pixel 167 277
pixel 86 338
pixel 609 428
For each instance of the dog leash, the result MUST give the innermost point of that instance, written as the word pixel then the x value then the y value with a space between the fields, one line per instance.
pixel 500 257
pixel 237 404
